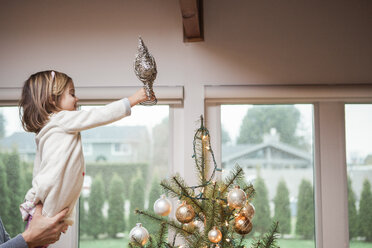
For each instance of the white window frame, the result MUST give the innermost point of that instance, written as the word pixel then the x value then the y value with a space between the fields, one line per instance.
pixel 173 96
pixel 330 171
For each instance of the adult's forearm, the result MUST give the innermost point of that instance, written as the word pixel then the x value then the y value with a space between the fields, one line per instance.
pixel 16 242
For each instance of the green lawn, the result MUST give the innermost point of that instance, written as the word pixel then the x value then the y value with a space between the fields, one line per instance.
pixel 284 243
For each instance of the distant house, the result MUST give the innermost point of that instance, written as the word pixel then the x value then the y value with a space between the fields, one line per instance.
pixel 23 142
pixel 275 160
pixel 129 144
pixel 271 153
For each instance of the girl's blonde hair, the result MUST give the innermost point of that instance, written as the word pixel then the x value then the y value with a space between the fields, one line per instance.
pixel 40 95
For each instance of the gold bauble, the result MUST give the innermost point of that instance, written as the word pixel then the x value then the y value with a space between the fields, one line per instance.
pixel 215 235
pixel 248 211
pixel 185 213
pixel 236 198
pixel 190 227
pixel 242 225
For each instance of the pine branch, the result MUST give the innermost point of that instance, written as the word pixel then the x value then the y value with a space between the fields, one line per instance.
pixel 196 148
pixel 169 190
pixel 174 239
pixel 249 190
pixel 151 244
pixel 269 239
pixel 136 243
pixel 170 223
pixel 236 174
pixel 211 207
pixel 162 234
pixel 184 190
pixel 196 240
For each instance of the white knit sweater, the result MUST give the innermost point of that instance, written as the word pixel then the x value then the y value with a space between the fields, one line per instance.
pixel 58 173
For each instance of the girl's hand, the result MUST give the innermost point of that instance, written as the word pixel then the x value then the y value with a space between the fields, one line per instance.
pixel 137 97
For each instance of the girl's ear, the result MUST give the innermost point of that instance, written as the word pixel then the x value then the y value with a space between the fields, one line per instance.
pixel 53 101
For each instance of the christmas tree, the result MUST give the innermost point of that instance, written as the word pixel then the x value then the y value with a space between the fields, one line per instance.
pixel 210 214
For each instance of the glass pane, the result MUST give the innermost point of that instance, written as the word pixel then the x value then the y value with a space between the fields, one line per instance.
pixel 358 123
pixel 125 162
pixel 274 146
pixel 17 152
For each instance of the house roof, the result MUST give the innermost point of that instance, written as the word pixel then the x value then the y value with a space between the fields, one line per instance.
pixel 114 134
pixel 25 142
pixel 232 153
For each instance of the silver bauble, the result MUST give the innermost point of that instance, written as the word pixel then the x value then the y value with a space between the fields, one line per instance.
pixel 139 234
pixel 215 235
pixel 162 206
pixel 185 213
pixel 236 198
pixel 248 210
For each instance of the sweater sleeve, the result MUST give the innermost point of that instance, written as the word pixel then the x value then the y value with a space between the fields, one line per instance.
pixel 17 242
pixel 76 121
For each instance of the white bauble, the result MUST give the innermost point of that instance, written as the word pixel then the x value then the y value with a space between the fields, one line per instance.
pixel 162 206
pixel 139 234
pixel 236 198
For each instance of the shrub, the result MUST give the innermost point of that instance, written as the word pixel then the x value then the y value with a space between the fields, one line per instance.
pixel 116 222
pixel 305 211
pixel 96 200
pixel 137 199
pixel 365 211
pixel 262 218
pixel 282 208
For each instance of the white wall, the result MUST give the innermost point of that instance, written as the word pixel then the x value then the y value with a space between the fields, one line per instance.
pixel 246 42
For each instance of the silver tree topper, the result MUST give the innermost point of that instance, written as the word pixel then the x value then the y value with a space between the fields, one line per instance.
pixel 145 69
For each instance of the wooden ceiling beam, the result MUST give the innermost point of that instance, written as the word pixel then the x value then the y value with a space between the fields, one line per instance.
pixel 192 18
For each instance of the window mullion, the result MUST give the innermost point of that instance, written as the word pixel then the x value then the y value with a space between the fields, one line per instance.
pixel 331 179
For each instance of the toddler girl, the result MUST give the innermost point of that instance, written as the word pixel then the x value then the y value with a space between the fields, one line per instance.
pixel 48 108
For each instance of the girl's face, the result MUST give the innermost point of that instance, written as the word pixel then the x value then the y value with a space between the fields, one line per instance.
pixel 68 100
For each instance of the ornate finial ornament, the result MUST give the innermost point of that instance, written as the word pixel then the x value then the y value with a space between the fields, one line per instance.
pixel 145 69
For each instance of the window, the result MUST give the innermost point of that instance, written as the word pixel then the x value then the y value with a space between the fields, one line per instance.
pixel 274 146
pixel 120 149
pixel 129 158
pixel 358 122
pixel 330 173
pixel 138 170
pixel 17 152
pixel 20 154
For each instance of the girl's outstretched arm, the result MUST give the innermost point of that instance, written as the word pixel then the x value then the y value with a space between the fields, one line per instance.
pixel 76 121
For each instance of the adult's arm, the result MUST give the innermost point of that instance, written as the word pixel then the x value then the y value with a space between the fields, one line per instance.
pixel 41 231
pixel 16 242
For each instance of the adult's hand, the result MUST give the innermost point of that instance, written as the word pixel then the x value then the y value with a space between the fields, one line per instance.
pixel 44 230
